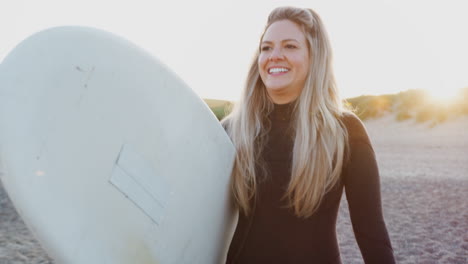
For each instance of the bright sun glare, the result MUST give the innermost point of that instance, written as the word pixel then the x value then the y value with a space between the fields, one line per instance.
pixel 443 95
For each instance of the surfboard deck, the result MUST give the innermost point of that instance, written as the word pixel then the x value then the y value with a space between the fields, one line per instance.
pixel 108 156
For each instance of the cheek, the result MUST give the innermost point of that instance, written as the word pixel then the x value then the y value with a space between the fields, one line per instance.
pixel 304 65
pixel 261 65
pixel 261 61
pixel 305 68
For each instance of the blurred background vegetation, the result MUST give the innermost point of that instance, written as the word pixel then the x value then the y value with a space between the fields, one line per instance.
pixel 219 107
pixel 417 105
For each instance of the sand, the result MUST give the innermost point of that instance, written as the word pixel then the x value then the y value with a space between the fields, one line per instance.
pixel 424 183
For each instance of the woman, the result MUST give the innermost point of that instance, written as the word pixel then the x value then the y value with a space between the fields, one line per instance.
pixel 297 149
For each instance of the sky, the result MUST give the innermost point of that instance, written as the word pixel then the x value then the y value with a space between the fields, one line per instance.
pixel 380 46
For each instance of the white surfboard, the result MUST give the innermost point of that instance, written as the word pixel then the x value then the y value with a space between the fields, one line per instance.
pixel 108 156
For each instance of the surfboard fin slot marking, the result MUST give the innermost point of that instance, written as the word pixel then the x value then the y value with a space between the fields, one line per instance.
pixel 131 175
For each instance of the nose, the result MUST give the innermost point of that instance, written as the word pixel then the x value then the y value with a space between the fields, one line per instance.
pixel 276 54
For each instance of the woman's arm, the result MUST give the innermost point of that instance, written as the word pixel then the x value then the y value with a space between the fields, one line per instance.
pixel 362 185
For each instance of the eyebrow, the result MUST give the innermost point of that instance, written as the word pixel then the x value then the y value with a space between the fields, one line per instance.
pixel 284 40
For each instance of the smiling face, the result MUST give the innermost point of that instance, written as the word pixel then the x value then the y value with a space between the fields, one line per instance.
pixel 283 61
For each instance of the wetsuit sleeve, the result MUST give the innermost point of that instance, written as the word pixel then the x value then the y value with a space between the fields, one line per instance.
pixel 362 186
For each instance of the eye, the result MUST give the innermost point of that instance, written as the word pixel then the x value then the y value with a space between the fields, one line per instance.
pixel 265 48
pixel 290 46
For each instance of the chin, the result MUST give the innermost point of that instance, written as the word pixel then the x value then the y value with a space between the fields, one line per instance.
pixel 276 88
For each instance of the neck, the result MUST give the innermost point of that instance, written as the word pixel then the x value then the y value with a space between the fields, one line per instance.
pixel 282 98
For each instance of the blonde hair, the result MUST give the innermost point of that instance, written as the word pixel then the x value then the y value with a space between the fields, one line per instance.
pixel 320 136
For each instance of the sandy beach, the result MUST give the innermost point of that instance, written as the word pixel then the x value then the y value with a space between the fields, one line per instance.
pixel 424 183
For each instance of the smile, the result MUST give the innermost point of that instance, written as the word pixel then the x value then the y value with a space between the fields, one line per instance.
pixel 277 70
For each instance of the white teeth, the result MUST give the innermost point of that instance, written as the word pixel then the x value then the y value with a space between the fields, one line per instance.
pixel 277 70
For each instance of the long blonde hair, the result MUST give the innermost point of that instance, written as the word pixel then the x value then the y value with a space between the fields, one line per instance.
pixel 320 136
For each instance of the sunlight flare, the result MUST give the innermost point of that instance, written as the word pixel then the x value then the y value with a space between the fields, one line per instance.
pixel 443 95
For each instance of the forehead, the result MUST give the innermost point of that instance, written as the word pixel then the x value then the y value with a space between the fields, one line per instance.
pixel 284 29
